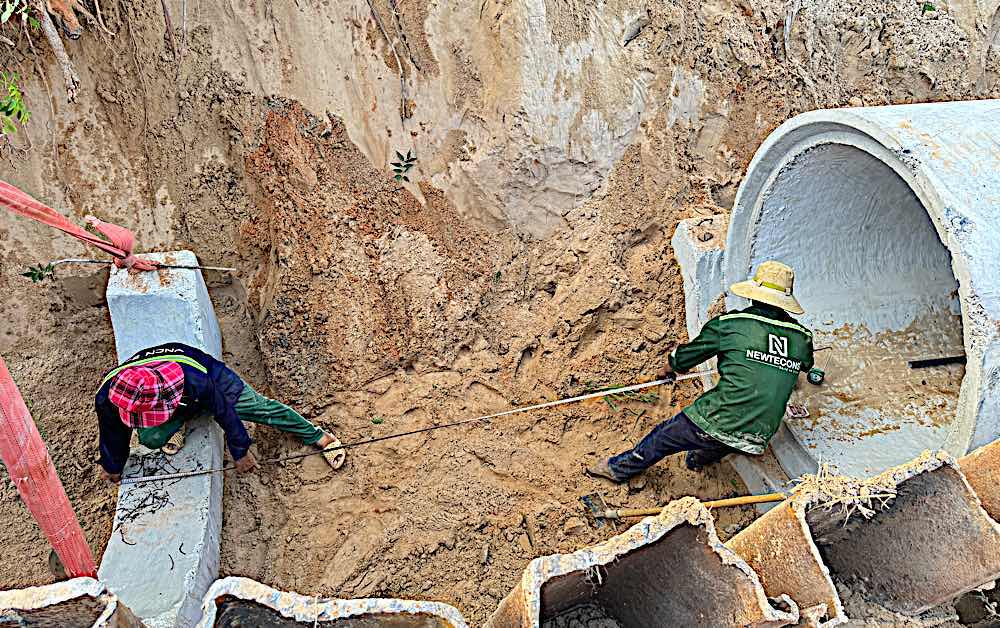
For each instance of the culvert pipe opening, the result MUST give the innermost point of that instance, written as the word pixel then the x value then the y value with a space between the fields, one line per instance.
pixel 887 216
pixel 879 290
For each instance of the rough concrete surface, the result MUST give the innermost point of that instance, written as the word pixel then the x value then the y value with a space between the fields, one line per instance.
pixel 164 548
pixel 981 469
pixel 169 305
pixel 905 553
pixel 76 603
pixel 886 214
pixel 780 549
pixel 582 616
pixel 311 610
pixel 670 569
pixel 902 556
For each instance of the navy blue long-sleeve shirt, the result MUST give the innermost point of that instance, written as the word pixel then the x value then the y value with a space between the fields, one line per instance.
pixel 209 386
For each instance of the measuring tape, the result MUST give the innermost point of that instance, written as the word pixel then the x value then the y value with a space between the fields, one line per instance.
pixel 486 417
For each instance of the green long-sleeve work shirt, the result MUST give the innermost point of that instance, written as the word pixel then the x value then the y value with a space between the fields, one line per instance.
pixel 761 351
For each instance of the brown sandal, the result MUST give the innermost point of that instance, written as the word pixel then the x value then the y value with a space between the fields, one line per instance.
pixel 336 457
pixel 175 444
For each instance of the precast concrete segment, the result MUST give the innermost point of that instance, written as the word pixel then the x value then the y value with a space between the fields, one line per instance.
pixel 163 553
pixel 888 215
pixel 904 554
pixel 170 305
pixel 243 598
pixel 779 547
pixel 930 544
pixel 698 248
pixel 982 469
pixel 668 570
pixel 76 603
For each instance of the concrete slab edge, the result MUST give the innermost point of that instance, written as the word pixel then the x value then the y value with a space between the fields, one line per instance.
pixel 981 469
pixel 701 263
pixel 311 609
pixel 114 615
pixel 185 533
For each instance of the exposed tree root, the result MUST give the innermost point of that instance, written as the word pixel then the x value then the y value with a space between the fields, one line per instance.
pixel 70 78
pixel 169 25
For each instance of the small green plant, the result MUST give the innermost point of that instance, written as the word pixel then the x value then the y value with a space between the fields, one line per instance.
pixel 10 8
pixel 40 273
pixel 377 420
pixel 12 109
pixel 616 401
pixel 403 166
pixel 927 6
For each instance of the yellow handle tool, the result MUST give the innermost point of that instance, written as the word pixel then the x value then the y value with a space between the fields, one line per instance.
pixel 719 503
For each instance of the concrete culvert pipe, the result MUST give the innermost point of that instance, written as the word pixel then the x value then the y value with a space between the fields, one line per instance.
pixel 75 603
pixel 234 601
pixel 890 217
pixel 668 570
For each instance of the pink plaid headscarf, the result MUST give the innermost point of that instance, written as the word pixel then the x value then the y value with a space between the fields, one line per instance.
pixel 147 395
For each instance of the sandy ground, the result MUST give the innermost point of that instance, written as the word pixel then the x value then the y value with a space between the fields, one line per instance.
pixel 374 307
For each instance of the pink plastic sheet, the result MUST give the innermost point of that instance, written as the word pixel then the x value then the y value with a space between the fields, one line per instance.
pixel 34 475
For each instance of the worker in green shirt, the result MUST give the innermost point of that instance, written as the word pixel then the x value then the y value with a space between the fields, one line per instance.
pixel 761 351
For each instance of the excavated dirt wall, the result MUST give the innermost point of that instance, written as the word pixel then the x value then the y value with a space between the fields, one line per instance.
pixel 558 144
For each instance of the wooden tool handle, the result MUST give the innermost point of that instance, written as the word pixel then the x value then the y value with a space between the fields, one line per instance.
pixel 719 503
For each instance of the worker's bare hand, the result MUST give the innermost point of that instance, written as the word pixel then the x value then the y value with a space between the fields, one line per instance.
pixel 114 478
pixel 246 464
pixel 665 372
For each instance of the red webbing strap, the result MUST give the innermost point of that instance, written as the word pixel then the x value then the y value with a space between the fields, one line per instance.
pixel 121 239
pixel 34 475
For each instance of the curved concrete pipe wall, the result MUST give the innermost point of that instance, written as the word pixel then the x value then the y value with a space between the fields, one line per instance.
pixel 891 217
pixel 248 602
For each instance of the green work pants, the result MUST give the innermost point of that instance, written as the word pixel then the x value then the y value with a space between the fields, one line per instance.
pixel 251 406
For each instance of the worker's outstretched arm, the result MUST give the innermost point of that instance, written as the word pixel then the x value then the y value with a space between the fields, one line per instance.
pixel 809 362
pixel 705 346
pixel 237 439
pixel 114 437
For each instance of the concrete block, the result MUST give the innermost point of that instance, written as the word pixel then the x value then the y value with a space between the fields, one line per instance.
pixel 699 249
pixel 148 309
pixel 888 216
pixel 668 570
pixel 762 474
pixel 164 549
pixel 982 470
pixel 904 552
pixel 232 602
pixel 76 602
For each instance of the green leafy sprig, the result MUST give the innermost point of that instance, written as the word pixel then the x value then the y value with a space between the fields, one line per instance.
pixel 403 166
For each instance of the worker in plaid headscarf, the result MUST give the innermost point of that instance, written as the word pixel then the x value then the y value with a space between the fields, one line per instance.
pixel 156 391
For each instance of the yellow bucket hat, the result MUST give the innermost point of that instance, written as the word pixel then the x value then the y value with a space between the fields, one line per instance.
pixel 771 284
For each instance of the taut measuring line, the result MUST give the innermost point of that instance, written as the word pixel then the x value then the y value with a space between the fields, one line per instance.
pixel 537 406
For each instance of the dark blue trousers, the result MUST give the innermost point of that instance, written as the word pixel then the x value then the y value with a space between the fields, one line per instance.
pixel 670 437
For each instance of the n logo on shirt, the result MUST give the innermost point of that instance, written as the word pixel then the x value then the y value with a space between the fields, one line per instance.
pixel 777 345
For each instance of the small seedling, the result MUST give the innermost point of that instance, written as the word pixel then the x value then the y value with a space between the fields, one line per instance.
pixel 40 273
pixel 614 399
pixel 377 420
pixel 9 8
pixel 496 277
pixel 927 6
pixel 403 166
pixel 12 107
